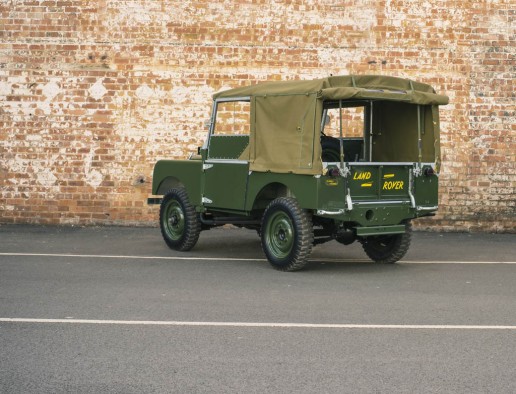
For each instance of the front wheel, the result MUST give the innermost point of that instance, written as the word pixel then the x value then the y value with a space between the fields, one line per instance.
pixel 178 220
pixel 287 234
pixel 388 249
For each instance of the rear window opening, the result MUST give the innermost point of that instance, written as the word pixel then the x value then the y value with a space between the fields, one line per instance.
pixel 377 131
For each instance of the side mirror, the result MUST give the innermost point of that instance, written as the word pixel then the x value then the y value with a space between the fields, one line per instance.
pixel 327 120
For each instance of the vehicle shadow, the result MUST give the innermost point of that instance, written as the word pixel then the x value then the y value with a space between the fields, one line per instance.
pixel 239 244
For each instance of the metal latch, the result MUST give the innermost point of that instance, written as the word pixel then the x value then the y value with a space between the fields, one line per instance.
pixel 323 212
pixel 349 202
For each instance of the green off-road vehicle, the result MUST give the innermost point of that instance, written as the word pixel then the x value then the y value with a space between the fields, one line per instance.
pixel 345 158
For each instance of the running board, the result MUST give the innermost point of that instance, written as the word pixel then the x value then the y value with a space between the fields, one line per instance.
pixel 229 220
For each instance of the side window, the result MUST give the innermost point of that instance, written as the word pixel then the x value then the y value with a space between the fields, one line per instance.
pixel 233 118
pixel 230 136
pixel 353 118
pixel 352 122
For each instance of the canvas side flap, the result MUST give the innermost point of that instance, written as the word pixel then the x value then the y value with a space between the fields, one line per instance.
pixel 398 141
pixel 285 136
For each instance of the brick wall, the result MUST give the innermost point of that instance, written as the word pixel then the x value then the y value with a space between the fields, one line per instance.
pixel 93 92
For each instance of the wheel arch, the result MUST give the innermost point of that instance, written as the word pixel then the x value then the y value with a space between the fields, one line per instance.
pixel 170 174
pixel 171 182
pixel 167 184
pixel 265 187
pixel 268 193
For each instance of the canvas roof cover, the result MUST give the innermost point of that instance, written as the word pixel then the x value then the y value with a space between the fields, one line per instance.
pixel 286 115
pixel 345 87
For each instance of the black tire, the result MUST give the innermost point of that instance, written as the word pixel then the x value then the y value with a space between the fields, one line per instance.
pixel 179 223
pixel 387 249
pixel 330 149
pixel 287 234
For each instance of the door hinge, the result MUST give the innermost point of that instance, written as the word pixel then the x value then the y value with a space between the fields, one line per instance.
pixel 206 166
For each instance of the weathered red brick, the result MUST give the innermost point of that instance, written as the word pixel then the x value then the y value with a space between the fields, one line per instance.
pixel 75 128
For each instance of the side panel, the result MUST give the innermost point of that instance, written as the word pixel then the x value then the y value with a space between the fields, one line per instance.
pixel 171 173
pixel 303 187
pixel 332 193
pixel 225 185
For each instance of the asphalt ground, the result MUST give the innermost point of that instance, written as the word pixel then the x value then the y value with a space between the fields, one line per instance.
pixel 94 310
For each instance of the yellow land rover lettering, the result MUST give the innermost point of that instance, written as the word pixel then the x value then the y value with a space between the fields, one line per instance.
pixel 362 175
pixel 388 176
pixel 368 184
pixel 392 185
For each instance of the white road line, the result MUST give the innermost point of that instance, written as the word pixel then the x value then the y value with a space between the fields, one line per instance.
pixel 258 325
pixel 103 256
pixel 322 260
pixel 454 262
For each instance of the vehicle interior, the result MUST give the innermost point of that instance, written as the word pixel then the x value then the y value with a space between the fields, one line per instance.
pixel 377 131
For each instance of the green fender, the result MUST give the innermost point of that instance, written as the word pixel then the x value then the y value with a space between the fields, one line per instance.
pixel 173 173
pixel 263 187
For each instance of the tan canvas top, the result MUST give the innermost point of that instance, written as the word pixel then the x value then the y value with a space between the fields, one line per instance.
pixel 286 116
pixel 346 87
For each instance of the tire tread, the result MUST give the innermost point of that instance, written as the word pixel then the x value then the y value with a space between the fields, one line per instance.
pixel 192 223
pixel 302 222
pixel 395 253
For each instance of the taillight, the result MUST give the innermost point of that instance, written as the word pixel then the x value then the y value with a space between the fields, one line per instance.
pixel 429 171
pixel 334 172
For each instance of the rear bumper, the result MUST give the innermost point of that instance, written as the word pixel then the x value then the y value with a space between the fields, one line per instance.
pixel 380 230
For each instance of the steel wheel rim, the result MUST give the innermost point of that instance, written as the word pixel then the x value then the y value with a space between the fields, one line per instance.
pixel 174 220
pixel 280 235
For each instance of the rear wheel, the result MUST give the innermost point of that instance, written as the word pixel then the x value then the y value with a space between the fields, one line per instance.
pixel 388 249
pixel 287 234
pixel 178 221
